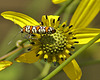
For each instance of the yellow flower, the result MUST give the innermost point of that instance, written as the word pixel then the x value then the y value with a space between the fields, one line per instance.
pixel 58 1
pixel 56 47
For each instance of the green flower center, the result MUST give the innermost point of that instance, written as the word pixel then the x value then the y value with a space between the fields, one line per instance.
pixel 53 43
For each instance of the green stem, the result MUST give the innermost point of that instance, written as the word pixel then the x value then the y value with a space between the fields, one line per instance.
pixel 13 51
pixel 10 53
pixel 59 68
pixel 44 72
pixel 15 47
pixel 13 55
pixel 61 10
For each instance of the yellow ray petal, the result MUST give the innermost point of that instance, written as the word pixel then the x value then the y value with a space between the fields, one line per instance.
pixel 29 57
pixel 86 34
pixel 91 15
pixel 50 18
pixel 4 64
pixel 85 13
pixel 85 40
pixel 53 17
pixel 78 11
pixel 58 1
pixel 72 70
pixel 19 18
pixel 86 30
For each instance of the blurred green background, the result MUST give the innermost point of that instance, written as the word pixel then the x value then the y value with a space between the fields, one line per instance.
pixel 35 9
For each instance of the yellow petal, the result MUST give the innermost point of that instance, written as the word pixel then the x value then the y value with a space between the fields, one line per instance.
pixel 29 57
pixel 19 18
pixel 72 70
pixel 50 18
pixel 85 13
pixel 86 30
pixel 4 64
pixel 53 17
pixel 58 1
pixel 85 40
pixel 86 34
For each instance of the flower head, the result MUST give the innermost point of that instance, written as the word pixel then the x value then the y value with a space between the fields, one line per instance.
pixel 57 47
pixel 54 47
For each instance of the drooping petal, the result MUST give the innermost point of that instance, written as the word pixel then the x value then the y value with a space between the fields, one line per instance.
pixel 19 18
pixel 4 64
pixel 85 13
pixel 86 34
pixel 58 1
pixel 72 70
pixel 29 57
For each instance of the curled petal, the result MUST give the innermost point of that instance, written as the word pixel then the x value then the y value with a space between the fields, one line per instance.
pixel 4 64
pixel 58 1
pixel 19 18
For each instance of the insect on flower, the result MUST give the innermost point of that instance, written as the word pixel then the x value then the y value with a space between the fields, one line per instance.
pixel 57 47
pixel 38 29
